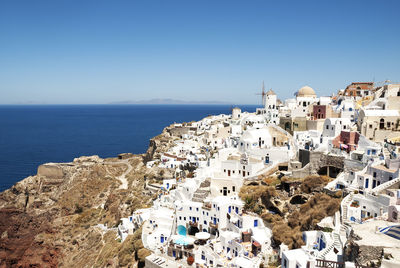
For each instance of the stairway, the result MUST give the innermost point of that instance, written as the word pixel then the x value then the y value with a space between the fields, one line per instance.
pixel 346 201
pixel 386 153
pixel 202 192
pixel 385 185
pixel 336 244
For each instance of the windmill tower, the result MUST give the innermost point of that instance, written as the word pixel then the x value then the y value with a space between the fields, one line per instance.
pixel 263 94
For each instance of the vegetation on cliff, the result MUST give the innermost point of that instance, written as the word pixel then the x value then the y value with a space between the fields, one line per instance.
pixel 290 215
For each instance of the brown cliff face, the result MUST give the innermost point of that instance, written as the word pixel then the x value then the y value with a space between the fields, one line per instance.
pixel 50 220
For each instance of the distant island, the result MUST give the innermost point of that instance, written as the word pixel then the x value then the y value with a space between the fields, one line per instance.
pixel 168 101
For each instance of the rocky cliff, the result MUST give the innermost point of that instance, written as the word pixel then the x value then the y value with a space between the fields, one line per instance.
pixel 51 219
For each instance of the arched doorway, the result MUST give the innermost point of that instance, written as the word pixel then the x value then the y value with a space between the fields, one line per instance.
pixel 382 123
pixel 287 126
pixel 330 171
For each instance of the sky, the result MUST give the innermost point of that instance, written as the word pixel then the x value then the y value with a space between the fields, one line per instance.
pixel 95 52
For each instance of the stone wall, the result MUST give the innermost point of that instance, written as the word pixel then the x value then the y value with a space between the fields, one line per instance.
pixel 50 171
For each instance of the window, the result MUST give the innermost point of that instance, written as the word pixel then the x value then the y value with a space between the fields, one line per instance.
pixel 327 127
pixel 233 188
pixel 374 175
pixel 190 208
pixel 255 223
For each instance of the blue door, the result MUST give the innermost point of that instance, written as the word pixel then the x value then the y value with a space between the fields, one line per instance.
pixel 366 183
pixel 321 245
pixel 255 223
pixel 267 159
pixel 215 220
pixel 162 239
pixel 229 209
pixel 167 185
pixel 174 253
pixel 237 210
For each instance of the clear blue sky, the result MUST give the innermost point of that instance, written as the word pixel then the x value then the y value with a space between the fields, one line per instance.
pixel 104 51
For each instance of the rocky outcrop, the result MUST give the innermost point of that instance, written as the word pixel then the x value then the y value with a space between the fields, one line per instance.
pixel 50 171
pixel 50 219
pixel 364 255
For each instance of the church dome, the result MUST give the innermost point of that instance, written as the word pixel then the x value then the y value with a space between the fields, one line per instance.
pixel 306 91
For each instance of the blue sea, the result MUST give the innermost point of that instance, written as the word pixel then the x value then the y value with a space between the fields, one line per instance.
pixel 37 134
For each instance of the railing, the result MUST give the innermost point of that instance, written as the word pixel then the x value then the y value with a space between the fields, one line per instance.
pixel 334 264
pixel 329 264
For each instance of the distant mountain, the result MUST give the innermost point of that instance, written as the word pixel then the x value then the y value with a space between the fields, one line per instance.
pixel 168 101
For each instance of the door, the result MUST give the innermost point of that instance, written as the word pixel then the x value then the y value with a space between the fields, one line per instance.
pixel 267 159
pixel 225 191
pixel 373 184
pixel 366 183
pixel 255 223
pixel 229 172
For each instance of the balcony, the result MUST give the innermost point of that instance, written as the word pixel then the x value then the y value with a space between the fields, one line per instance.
pixel 193 224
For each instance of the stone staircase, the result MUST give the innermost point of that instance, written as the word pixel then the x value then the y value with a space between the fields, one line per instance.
pixel 385 185
pixel 336 244
pixel 202 192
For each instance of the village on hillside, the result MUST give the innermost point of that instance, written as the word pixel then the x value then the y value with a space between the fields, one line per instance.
pixel 301 183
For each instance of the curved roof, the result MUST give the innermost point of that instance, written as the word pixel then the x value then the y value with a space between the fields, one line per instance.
pixel 306 91
pixel 253 135
pixel 270 92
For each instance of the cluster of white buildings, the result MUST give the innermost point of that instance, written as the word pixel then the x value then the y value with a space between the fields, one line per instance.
pixel 201 221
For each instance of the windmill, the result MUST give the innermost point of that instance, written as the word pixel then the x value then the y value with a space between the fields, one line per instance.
pixel 263 93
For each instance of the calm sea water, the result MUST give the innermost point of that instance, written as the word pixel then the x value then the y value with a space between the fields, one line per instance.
pixel 32 135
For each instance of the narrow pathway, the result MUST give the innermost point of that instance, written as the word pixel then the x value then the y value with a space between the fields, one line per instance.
pixel 122 178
